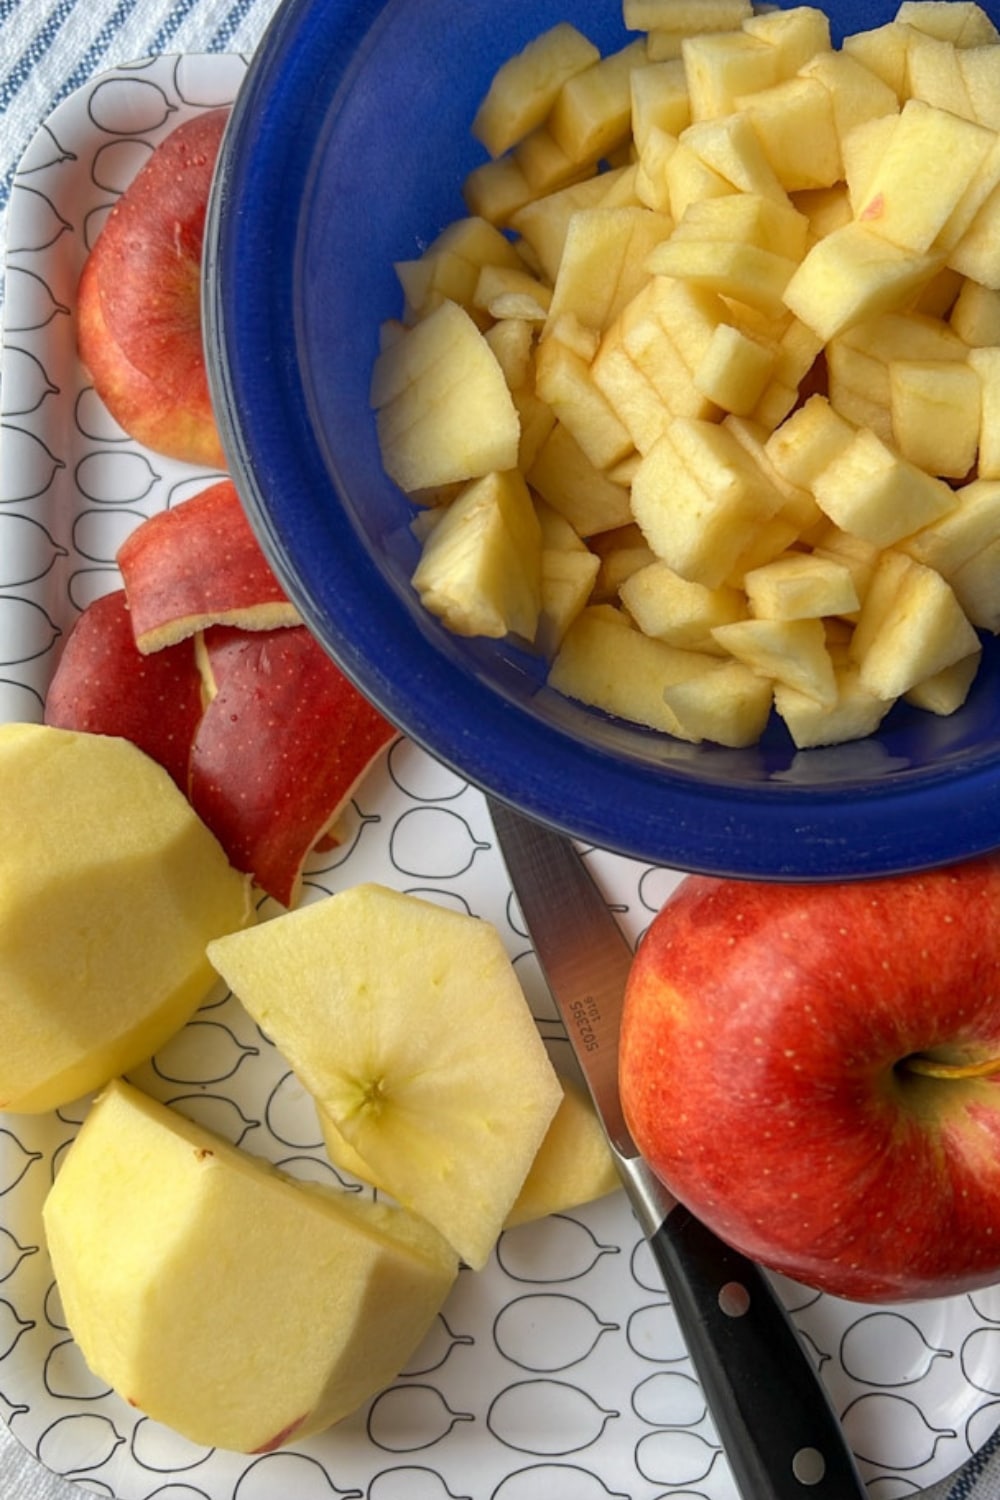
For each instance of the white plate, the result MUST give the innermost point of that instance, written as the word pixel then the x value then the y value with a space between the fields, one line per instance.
pixel 556 1372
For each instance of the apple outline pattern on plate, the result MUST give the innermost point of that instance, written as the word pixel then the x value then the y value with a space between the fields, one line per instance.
pixel 558 1370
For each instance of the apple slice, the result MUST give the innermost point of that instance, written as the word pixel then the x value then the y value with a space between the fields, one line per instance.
pixel 104 685
pixel 139 301
pixel 199 564
pixel 406 1023
pixel 280 749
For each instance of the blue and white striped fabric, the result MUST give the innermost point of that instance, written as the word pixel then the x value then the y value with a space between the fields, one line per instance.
pixel 48 48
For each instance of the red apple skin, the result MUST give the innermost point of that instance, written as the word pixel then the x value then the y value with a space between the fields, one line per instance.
pixel 139 329
pixel 762 1069
pixel 104 685
pixel 199 564
pixel 281 747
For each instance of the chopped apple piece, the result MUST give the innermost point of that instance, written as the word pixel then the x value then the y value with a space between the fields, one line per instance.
pixel 406 1023
pixel 962 22
pixel 930 160
pixel 566 479
pixel 947 690
pixel 660 100
pixel 797 128
pixel 975 585
pixel 175 1251
pixel 722 66
pixel 525 88
pixel 798 34
pixel 801 586
pixel 854 274
pixel 564 382
pixel 972 525
pixel 884 50
pixel 986 364
pixel 603 262
pixel 802 447
pixel 606 663
pixel 450 267
pixel 790 651
pixel 480 568
pixel 698 496
pixel 910 628
pixel 568 580
pixel 592 113
pixel 673 609
pixel 443 408
pixel 734 370
pixel 935 407
pixel 869 490
pixel 728 703
pixel 856 712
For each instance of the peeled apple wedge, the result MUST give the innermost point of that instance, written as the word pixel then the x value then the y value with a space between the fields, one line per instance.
pixel 239 1307
pixel 573 1166
pixel 110 889
pixel 406 1023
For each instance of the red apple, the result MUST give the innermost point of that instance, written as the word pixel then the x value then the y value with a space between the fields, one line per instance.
pixel 139 326
pixel 814 1070
pixel 199 564
pixel 104 685
pixel 281 747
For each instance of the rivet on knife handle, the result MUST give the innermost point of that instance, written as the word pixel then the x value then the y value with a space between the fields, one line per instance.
pixel 779 1431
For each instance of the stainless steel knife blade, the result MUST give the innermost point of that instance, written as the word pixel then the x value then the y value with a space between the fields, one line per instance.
pixel 774 1418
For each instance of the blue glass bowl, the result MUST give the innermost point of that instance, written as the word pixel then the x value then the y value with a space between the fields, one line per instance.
pixel 346 151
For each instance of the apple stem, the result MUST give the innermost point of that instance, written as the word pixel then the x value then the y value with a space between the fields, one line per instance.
pixel 929 1068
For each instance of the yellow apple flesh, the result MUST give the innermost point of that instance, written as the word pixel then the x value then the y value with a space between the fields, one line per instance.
pixel 222 1298
pixel 110 888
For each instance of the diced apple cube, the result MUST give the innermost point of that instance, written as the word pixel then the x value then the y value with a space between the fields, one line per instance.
pixel 723 66
pixel 797 503
pixel 729 146
pixel 603 262
pixel 675 610
pixel 698 497
pixel 652 180
pixel 593 111
pixel 969 528
pixel 748 217
pixel 659 100
pixel 947 690
pixel 977 588
pixel 930 160
pixel 734 370
pixel 480 569
pixel 742 271
pixel 444 411
pixel 542 224
pixel 856 712
pixel 986 363
pixel 567 580
pixel 728 704
pixel 616 668
pixel 495 190
pixel 563 381
pixel 920 629
pixel 801 586
pixel 860 557
pixel 975 313
pixel 797 129
pixel 870 490
pixel 856 93
pixel 564 477
pixel 544 164
pixel 798 34
pixel 511 292
pixel 852 275
pixel 962 22
pixel 449 268
pixel 935 409
pixel 793 652
pixel 884 50
pixel 631 395
pixel 980 69
pixel 933 74
pixel 525 88
pixel 802 447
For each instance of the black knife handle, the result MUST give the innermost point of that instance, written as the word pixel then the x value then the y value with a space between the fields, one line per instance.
pixel 778 1430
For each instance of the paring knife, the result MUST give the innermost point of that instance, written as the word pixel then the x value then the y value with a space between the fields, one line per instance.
pixel 780 1434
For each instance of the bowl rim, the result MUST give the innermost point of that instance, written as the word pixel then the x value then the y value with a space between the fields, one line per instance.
pixel 775 830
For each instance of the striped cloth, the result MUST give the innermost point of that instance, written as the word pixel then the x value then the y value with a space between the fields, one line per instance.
pixel 48 48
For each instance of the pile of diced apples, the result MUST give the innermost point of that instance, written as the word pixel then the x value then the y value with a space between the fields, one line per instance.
pixel 702 398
